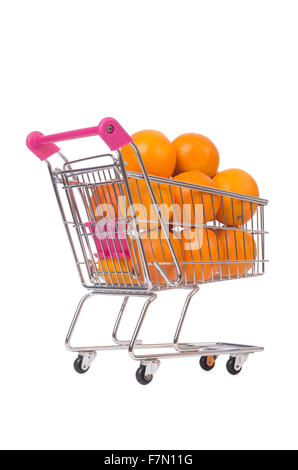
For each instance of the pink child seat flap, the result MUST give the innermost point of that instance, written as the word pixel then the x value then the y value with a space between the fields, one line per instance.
pixel 110 239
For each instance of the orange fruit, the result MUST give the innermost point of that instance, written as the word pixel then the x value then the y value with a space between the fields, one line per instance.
pixel 186 198
pixel 119 271
pixel 195 152
pixel 234 211
pixel 143 204
pixel 106 201
pixel 156 249
pixel 157 152
pixel 237 245
pixel 198 246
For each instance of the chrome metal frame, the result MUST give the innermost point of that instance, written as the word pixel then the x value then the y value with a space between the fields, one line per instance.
pixel 67 178
pixel 180 349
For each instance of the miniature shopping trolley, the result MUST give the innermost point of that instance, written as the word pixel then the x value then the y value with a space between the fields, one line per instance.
pixel 120 250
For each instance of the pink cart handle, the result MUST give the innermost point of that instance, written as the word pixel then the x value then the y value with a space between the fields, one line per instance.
pixel 108 129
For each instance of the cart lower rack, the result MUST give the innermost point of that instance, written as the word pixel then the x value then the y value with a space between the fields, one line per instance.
pixel 134 234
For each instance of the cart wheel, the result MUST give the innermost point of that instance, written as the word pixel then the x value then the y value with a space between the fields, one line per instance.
pixel 141 377
pixel 78 365
pixel 207 362
pixel 231 366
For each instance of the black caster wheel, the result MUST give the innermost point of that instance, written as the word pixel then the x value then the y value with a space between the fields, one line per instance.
pixel 231 366
pixel 141 377
pixel 207 362
pixel 78 365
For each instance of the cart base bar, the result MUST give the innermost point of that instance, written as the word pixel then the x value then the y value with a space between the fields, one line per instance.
pixel 194 349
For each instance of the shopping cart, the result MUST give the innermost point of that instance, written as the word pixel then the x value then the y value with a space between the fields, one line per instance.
pixel 120 250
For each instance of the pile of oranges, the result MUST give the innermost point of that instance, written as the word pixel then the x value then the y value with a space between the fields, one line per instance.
pixel 190 158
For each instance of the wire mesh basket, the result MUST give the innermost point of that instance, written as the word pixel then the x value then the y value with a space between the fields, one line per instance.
pixel 207 249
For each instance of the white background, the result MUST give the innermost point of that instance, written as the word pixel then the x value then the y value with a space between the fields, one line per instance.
pixel 225 69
